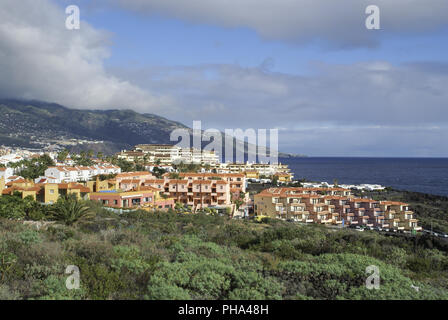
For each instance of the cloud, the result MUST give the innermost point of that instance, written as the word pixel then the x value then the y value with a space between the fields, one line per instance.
pixel 338 23
pixel 41 59
pixel 361 108
pixel 363 93
pixel 368 108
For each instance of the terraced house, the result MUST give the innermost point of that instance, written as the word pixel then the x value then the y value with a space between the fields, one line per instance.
pixel 44 192
pixel 333 206
pixel 200 190
pixel 77 173
pixel 143 197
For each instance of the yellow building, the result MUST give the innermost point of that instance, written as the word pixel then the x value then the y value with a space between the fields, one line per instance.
pixel 252 174
pixel 46 193
pixel 283 177
pixel 2 184
pixel 105 185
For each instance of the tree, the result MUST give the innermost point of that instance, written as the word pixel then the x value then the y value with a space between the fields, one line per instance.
pixel 174 175
pixel 158 172
pixel 62 156
pixel 71 211
pixel 34 168
pixel 7 260
pixel 125 165
pixel 238 201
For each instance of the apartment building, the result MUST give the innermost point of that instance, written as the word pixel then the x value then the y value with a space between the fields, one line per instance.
pixel 6 173
pixel 262 169
pixel 46 193
pixel 131 156
pixel 237 181
pixel 143 197
pixel 167 154
pixel 200 190
pixel 60 174
pixel 333 206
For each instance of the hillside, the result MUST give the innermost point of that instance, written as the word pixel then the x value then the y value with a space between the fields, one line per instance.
pixel 35 124
pixel 25 121
pixel 164 256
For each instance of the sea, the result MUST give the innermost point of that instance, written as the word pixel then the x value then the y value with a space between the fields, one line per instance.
pixel 426 175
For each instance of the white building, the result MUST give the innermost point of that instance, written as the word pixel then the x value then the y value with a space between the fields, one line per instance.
pixel 10 158
pixel 61 174
pixel 6 173
pixel 170 154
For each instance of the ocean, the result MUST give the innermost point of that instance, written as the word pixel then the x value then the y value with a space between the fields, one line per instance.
pixel 426 175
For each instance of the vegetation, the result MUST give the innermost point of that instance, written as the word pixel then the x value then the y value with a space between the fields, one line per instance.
pixel 188 167
pixel 32 168
pixel 118 129
pixel 141 255
pixel 71 211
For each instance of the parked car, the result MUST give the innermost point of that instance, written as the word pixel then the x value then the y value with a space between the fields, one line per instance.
pixel 357 228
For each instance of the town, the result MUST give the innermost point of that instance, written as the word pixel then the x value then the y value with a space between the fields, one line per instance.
pixel 158 177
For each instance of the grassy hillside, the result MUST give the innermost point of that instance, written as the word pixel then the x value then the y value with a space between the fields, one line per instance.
pixel 140 255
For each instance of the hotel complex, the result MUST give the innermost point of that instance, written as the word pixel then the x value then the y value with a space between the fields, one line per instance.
pixel 221 186
pixel 333 206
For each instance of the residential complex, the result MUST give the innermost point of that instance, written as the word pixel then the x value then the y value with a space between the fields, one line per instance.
pixel 333 206
pixel 255 170
pixel 59 174
pixel 169 154
pixel 45 193
pixel 140 197
pixel 218 185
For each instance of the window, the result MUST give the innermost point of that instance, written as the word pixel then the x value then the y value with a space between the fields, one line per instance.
pixel 51 191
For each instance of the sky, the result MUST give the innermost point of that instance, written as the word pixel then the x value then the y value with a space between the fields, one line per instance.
pixel 309 68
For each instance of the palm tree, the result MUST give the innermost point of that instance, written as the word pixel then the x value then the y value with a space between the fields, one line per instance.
pixel 71 211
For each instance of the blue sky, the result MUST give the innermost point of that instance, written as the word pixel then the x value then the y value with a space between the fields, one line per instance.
pixel 307 67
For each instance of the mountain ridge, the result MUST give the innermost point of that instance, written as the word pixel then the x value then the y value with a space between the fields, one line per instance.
pixel 25 121
pixel 34 123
